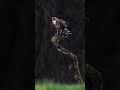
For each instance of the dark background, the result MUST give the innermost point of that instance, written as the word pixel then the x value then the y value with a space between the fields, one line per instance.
pixel 17 42
pixel 50 63
pixel 17 45
pixel 102 40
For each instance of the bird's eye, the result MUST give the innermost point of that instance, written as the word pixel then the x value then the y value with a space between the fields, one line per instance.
pixel 54 18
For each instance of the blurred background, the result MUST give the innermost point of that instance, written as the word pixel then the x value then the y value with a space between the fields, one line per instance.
pixel 49 63
pixel 102 43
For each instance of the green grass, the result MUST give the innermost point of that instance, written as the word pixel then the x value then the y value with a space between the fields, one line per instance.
pixel 49 85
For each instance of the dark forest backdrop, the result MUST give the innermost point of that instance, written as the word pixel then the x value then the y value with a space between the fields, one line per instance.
pixel 17 40
pixel 50 63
